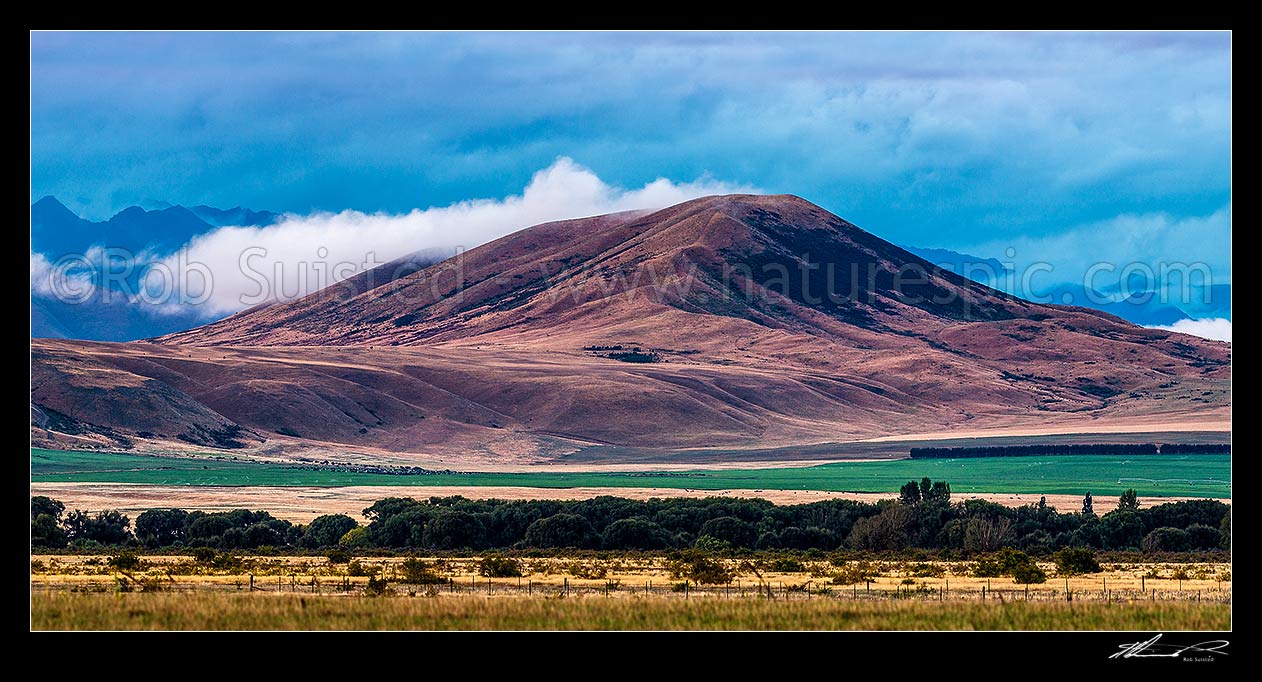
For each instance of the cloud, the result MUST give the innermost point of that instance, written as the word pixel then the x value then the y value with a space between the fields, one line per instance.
pixel 1215 328
pixel 1154 249
pixel 301 254
pixel 40 271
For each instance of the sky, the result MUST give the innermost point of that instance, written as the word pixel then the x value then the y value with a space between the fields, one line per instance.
pixel 1064 147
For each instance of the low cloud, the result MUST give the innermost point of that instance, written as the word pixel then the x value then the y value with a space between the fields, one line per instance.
pixel 301 254
pixel 1215 328
pixel 1151 251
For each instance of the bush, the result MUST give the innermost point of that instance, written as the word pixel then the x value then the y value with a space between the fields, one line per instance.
pixel 495 566
pixel 588 570
pixel 125 561
pixel 855 572
pixel 699 568
pixel 376 587
pixel 357 569
pixel 1029 573
pixel 338 556
pixel 786 564
pixel 418 572
pixel 1076 561
pixel 707 571
pixel 924 570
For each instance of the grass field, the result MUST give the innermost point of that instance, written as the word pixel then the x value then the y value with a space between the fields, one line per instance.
pixel 1150 475
pixel 236 611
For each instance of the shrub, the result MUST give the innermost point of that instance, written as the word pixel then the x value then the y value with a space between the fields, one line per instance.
pixel 587 571
pixel 419 572
pixel 356 569
pixel 855 572
pixel 494 566
pixel 376 587
pixel 699 568
pixel 1029 573
pixel 125 561
pixel 786 564
pixel 925 570
pixel 1076 561
pixel 338 556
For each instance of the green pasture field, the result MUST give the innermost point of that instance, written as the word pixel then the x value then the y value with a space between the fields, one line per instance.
pixel 1151 475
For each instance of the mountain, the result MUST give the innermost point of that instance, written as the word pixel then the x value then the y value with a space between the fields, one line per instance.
pixel 56 230
pixel 234 216
pixel 1143 308
pixel 738 322
pixel 109 315
pixel 988 271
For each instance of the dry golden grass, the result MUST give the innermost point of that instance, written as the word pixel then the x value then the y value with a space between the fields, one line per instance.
pixel 240 611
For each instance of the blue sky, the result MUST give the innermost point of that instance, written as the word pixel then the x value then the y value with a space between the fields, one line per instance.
pixel 1108 145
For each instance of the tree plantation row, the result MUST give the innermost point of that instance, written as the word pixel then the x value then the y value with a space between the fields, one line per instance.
pixel 924 517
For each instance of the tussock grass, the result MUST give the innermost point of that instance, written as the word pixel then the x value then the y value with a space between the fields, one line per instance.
pixel 235 611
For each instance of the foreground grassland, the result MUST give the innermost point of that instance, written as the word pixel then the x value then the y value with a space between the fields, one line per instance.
pixel 634 592
pixel 236 611
pixel 1150 475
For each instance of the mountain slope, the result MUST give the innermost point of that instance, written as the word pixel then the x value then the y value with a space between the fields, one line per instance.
pixel 773 261
pixel 707 324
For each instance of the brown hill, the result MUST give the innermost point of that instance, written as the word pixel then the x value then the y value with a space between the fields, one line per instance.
pixel 736 321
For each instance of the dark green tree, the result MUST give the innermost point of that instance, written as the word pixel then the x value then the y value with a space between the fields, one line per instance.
pixel 325 531
pixel 161 527
pixel 1088 508
pixel 887 530
pixel 731 530
pixel 1166 540
pixel 909 494
pixel 46 532
pixel 46 505
pixel 561 530
pixel 454 530
pixel 1224 527
pixel 1203 537
pixel 1122 530
pixel 107 527
pixel 1129 501
pixel 635 533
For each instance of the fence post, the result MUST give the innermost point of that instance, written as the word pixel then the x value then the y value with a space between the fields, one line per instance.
pixel 1141 584
pixel 251 582
pixel 567 587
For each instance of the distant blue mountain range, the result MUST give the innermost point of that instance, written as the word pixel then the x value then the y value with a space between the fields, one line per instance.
pixel 108 315
pixel 57 231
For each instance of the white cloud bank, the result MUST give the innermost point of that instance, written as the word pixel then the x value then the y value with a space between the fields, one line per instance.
pixel 301 254
pixel 1215 328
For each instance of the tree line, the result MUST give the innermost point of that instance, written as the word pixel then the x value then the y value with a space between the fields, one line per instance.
pixel 1072 449
pixel 924 517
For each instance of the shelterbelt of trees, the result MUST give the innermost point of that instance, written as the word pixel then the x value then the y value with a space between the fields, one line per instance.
pixel 1123 449
pixel 923 517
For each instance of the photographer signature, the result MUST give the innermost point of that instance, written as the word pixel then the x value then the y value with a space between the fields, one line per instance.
pixel 1154 649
